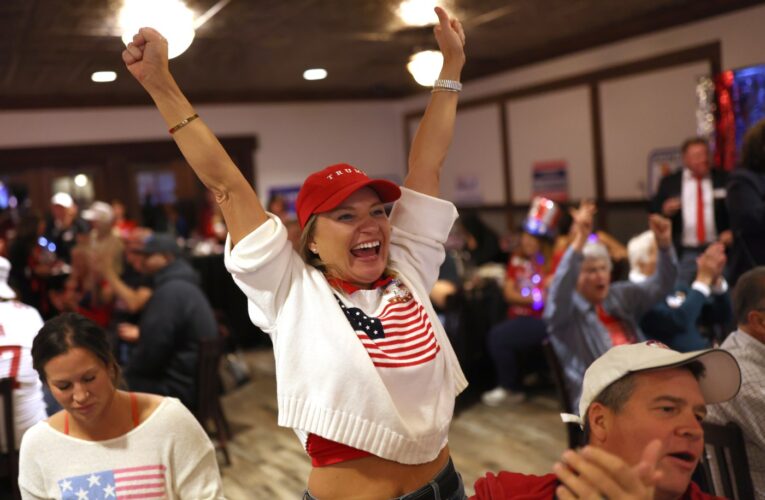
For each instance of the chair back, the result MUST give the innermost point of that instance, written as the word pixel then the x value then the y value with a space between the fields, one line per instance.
pixel 574 431
pixel 208 378
pixel 9 460
pixel 724 462
pixel 6 395
pixel 209 410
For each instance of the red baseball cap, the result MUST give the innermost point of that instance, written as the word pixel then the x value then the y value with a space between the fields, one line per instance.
pixel 326 189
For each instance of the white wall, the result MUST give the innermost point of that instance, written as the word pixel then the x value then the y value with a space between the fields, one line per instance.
pixel 642 113
pixel 468 178
pixel 294 139
pixel 639 113
pixel 549 127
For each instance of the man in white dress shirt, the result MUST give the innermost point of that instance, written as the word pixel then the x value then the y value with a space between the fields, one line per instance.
pixel 694 199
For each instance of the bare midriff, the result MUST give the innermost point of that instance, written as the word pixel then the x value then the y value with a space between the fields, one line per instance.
pixel 372 478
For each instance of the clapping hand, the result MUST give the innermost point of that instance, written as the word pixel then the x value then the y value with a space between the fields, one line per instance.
pixel 711 264
pixel 592 473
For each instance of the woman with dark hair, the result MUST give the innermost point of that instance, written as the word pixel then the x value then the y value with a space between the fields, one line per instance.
pixel 108 441
pixel 528 270
pixel 365 373
pixel 746 204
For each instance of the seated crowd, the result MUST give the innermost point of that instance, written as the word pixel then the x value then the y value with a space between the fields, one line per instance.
pixel 620 343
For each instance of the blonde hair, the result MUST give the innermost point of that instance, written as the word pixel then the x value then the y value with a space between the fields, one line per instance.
pixel 304 250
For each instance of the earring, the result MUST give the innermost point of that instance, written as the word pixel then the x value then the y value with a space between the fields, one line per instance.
pixel 314 250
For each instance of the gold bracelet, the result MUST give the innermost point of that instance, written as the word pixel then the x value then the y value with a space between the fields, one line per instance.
pixel 183 123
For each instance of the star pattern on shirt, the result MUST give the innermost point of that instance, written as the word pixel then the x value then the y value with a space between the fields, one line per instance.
pixel 93 480
pixel 109 491
pixel 362 323
pixel 82 494
pixel 66 485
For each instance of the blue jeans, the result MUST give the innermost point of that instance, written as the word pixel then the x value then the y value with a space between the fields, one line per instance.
pixel 432 490
pixel 509 341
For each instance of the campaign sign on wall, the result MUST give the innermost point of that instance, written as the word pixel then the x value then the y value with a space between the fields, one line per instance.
pixel 550 180
pixel 289 195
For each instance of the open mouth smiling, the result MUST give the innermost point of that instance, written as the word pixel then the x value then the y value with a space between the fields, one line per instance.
pixel 367 249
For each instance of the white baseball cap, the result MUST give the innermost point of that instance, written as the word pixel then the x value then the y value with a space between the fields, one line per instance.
pixel 720 381
pixel 63 199
pixel 6 292
pixel 99 211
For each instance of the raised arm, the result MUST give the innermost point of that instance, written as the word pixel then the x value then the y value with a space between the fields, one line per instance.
pixel 146 59
pixel 561 292
pixel 641 297
pixel 434 134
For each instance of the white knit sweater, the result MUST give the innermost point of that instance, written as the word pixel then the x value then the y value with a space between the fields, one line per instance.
pixel 167 456
pixel 326 382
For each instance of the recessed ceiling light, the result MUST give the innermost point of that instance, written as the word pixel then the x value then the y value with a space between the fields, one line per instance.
pixel 103 76
pixel 425 66
pixel 81 180
pixel 418 12
pixel 315 74
pixel 172 18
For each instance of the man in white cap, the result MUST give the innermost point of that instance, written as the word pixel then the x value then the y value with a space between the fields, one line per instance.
pixel 747 345
pixel 641 409
pixel 19 324
pixel 63 227
pixel 106 246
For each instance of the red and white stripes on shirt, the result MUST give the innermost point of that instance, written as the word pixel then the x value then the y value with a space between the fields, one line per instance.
pixel 399 335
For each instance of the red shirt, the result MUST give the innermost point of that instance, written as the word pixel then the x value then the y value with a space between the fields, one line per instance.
pixel 324 452
pixel 508 485
pixel 528 277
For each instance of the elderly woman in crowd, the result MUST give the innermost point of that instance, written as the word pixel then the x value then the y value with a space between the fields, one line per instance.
pixel 106 441
pixel 675 321
pixel 586 314
pixel 365 373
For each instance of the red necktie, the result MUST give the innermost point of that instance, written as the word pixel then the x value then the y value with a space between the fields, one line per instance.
pixel 701 233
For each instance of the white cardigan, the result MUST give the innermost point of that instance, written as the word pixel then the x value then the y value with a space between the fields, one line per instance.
pixel 326 382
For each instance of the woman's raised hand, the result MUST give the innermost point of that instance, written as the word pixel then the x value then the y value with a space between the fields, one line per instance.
pixel 582 223
pixel 450 37
pixel 146 58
